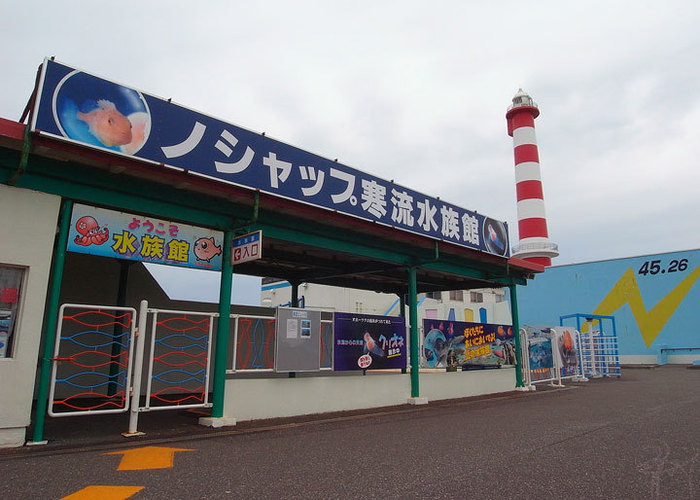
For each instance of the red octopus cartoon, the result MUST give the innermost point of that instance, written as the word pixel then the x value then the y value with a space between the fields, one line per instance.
pixel 90 231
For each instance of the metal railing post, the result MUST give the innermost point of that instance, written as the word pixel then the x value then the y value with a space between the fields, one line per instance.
pixel 138 371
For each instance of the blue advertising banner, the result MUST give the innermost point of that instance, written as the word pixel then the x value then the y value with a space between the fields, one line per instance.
pixel 540 348
pixel 107 233
pixel 79 107
pixel 459 343
pixel 365 341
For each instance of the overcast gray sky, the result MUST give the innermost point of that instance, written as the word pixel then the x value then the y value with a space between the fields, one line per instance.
pixel 417 91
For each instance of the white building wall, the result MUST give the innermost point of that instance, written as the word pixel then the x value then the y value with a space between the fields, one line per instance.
pixel 260 398
pixel 28 226
pixel 367 302
pixel 254 399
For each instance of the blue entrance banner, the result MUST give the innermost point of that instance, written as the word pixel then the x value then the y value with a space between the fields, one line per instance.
pixel 82 108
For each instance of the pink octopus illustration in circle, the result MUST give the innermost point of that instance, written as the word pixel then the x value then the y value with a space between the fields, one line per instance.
pixel 90 232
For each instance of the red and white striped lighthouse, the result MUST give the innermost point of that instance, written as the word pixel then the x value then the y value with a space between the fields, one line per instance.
pixel 534 244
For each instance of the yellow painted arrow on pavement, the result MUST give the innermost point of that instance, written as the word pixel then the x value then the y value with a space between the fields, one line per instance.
pixel 149 457
pixel 104 493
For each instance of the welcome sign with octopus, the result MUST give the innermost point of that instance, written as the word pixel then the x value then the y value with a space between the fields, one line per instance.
pixel 108 233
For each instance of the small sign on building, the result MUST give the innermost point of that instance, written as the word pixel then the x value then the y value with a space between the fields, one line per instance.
pixel 247 247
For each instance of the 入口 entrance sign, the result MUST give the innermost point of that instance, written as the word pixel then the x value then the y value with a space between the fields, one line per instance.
pixel 79 107
pixel 247 247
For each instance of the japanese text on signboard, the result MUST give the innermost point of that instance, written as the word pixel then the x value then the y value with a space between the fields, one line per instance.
pixel 76 106
pixel 108 233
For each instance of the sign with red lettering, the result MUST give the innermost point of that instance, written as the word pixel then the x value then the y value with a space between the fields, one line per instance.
pixel 364 361
pixel 247 247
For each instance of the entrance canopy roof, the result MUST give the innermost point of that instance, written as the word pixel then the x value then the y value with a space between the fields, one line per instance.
pixel 301 243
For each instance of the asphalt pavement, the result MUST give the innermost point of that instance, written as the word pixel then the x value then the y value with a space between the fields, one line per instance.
pixel 631 437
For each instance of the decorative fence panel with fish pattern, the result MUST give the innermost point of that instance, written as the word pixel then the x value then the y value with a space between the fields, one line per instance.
pixel 91 366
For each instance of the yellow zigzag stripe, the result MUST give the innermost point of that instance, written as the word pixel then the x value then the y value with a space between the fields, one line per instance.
pixel 626 291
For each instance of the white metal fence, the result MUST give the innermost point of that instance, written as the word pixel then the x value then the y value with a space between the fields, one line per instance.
pixel 178 362
pixel 112 359
pixel 551 355
pixel 600 355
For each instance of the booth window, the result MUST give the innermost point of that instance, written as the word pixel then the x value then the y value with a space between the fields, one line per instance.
pixel 11 279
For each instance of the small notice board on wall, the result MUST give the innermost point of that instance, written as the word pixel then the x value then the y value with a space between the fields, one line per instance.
pixel 298 346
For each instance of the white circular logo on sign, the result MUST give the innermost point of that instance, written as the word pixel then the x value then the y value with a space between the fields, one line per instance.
pixel 364 361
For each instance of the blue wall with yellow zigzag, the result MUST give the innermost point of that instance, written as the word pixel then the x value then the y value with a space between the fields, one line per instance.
pixel 655 299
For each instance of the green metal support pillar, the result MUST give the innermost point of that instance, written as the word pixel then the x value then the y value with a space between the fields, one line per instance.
pixel 118 329
pixel 223 328
pixel 516 332
pixel 295 292
pixel 402 313
pixel 295 303
pixel 413 319
pixel 50 322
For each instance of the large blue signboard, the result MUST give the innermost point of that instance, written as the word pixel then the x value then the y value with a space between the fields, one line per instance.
pixel 77 106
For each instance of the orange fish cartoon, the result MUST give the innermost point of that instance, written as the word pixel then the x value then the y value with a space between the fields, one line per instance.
pixel 206 249
pixel 107 124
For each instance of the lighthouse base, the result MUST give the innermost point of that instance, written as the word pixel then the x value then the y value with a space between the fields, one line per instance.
pixel 543 261
pixel 537 250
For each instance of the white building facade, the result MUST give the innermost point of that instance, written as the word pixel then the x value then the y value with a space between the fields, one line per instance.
pixel 485 305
